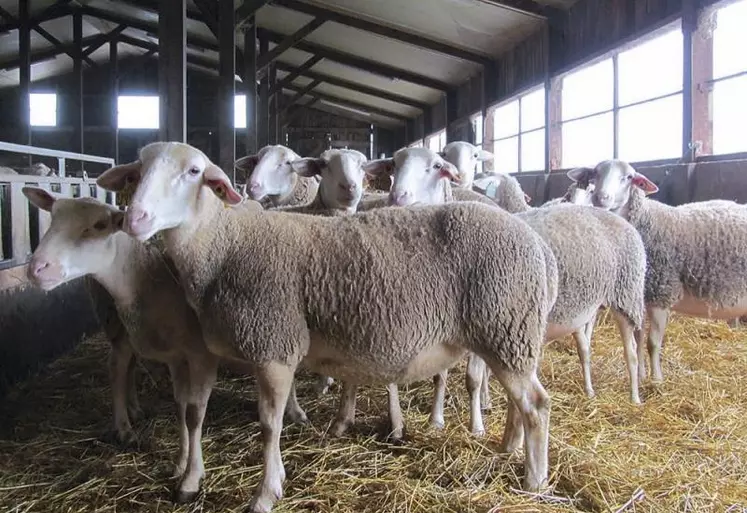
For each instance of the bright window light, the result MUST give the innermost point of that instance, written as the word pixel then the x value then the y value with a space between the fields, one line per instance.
pixel 506 154
pixel 588 90
pixel 651 69
pixel 239 111
pixel 730 40
pixel 506 120
pixel 533 110
pixel 533 150
pixel 139 112
pixel 43 109
pixel 477 124
pixel 651 131
pixel 587 141
pixel 730 116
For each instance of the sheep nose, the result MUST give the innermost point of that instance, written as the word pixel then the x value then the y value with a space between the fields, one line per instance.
pixel 402 198
pixel 37 267
pixel 348 187
pixel 137 220
pixel 255 186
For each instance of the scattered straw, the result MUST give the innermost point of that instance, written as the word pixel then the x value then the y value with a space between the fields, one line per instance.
pixel 684 450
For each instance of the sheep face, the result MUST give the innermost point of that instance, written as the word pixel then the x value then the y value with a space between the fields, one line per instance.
pixel 580 196
pixel 341 172
pixel 171 180
pixel 77 241
pixel 613 182
pixel 270 171
pixel 465 157
pixel 417 176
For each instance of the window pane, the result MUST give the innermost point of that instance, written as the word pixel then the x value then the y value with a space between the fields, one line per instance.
pixel 506 155
pixel 651 69
pixel 137 112
pixel 43 109
pixel 442 140
pixel 588 90
pixel 730 115
pixel 533 110
pixel 587 141
pixel 477 123
pixel 506 120
pixel 417 144
pixel 239 111
pixel 433 142
pixel 730 40
pixel 651 131
pixel 533 151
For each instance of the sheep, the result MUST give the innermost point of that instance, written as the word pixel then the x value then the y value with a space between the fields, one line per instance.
pixel 465 157
pixel 575 194
pixel 85 239
pixel 612 273
pixel 695 251
pixel 7 171
pixel 392 295
pixel 271 180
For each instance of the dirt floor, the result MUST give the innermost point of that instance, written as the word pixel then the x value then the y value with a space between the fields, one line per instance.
pixel 685 449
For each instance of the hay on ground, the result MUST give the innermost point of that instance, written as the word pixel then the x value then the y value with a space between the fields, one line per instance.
pixel 685 449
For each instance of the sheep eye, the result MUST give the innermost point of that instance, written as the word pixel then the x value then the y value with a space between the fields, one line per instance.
pixel 101 225
pixel 287 162
pixel 437 165
pixel 194 171
pixel 477 155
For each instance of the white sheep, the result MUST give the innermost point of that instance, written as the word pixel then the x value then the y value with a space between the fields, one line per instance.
pixel 379 297
pixel 85 238
pixel 465 157
pixel 696 263
pixel 612 273
pixel 271 179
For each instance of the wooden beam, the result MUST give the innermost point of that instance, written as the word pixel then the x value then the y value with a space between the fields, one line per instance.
pixel 209 15
pixel 77 97
pixel 351 104
pixel 43 55
pixel 250 84
pixel 300 94
pixel 248 9
pixel 9 17
pixel 24 57
pixel 293 73
pixel 114 95
pixel 172 70
pixel 104 38
pixel 53 12
pixel 526 7
pixel 289 42
pixel 133 63
pixel 263 111
pixel 367 65
pixel 383 30
pixel 354 86
pixel 227 87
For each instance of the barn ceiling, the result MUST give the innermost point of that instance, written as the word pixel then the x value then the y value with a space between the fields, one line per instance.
pixel 387 59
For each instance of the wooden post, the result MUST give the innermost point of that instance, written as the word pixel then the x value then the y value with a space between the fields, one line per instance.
pixel 227 88
pixel 250 84
pixel 114 95
pixel 264 89
pixel 77 92
pixel 24 49
pixel 172 70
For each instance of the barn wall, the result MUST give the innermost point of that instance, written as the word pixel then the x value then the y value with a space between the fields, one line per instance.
pixel 307 135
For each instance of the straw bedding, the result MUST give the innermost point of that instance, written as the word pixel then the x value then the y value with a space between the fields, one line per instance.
pixel 685 449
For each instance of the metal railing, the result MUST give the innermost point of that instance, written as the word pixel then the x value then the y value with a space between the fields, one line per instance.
pixel 21 224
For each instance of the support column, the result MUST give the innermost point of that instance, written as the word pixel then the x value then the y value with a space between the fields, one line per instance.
pixel 172 70
pixel 77 89
pixel 24 48
pixel 272 106
pixel 554 113
pixel 263 113
pixel 250 83
pixel 227 88
pixel 114 95
pixel 701 85
pixel 451 115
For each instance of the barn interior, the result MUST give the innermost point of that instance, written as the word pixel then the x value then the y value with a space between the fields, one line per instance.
pixel 545 85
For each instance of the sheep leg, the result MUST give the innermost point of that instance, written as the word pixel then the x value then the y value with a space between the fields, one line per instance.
pixel 275 381
pixel 485 389
pixel 583 347
pixel 629 348
pixel 346 411
pixel 532 404
pixel 396 421
pixel 658 318
pixel 202 374
pixel 589 328
pixel 474 377
pixel 180 383
pixel 119 365
pixel 292 409
pixel 133 401
pixel 640 343
pixel 322 384
pixel 439 396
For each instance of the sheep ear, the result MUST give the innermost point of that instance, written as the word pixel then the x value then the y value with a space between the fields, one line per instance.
pixel 484 155
pixel 644 183
pixel 247 163
pixel 580 174
pixel 218 181
pixel 40 198
pixel 118 177
pixel 379 167
pixel 450 171
pixel 308 166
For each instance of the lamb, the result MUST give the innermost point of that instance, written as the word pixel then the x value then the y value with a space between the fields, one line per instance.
pixel 392 295
pixel 465 157
pixel 611 274
pixel 271 179
pixel 85 239
pixel 696 263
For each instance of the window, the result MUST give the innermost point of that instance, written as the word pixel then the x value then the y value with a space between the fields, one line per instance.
pixel 437 141
pixel 646 117
pixel 43 109
pixel 140 112
pixel 519 134
pixel 416 144
pixel 729 94
pixel 239 111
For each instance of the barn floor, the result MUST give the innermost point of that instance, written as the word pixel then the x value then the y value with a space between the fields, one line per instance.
pixel 685 449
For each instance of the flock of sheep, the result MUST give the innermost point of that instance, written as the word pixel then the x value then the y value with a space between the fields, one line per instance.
pixel 378 287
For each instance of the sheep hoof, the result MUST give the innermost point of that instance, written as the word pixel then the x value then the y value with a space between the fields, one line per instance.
pixel 396 435
pixel 340 427
pixel 135 412
pixel 533 485
pixel 437 423
pixel 123 438
pixel 511 446
pixel 184 497
pixel 590 394
pixel 478 432
pixel 298 417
